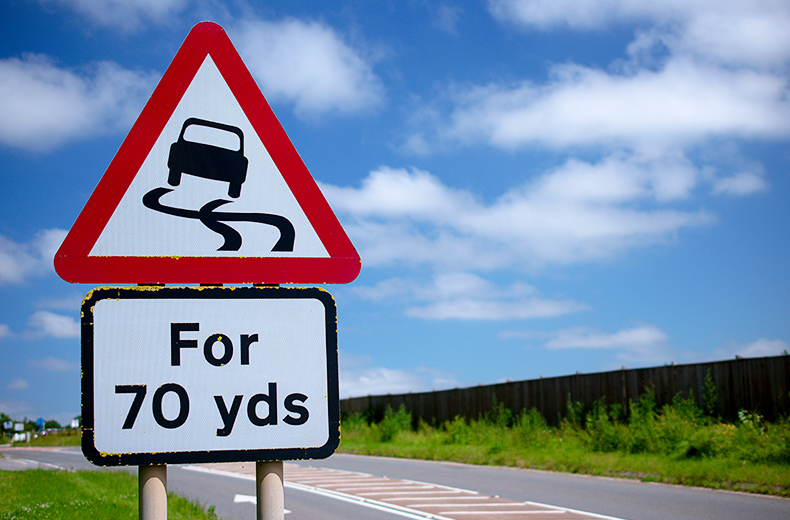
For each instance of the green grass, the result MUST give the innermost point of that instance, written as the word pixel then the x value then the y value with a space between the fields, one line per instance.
pixel 66 438
pixel 676 444
pixel 82 495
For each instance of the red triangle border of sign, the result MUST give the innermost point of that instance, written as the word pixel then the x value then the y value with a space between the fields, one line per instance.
pixel 72 261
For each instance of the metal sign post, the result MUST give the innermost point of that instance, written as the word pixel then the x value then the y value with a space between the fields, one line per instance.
pixel 152 492
pixel 269 490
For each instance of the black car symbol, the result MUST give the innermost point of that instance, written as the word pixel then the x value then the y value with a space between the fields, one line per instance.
pixel 208 161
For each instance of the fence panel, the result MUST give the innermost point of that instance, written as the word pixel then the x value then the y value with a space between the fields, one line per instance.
pixel 757 384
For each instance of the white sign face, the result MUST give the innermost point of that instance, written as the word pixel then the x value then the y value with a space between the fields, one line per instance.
pixel 209 374
pixel 207 188
pixel 236 204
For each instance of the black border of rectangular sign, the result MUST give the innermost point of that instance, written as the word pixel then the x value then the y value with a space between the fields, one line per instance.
pixel 186 457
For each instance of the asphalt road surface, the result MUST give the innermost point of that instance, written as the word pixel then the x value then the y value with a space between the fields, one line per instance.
pixel 386 489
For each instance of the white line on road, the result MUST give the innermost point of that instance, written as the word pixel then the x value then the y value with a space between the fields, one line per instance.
pixel 40 464
pixel 241 499
pixel 540 512
pixel 478 504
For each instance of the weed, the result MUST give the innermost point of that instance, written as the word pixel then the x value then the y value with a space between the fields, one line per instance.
pixel 710 395
pixel 394 423
pixel 499 415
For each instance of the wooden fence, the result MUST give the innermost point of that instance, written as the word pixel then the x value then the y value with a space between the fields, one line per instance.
pixel 756 384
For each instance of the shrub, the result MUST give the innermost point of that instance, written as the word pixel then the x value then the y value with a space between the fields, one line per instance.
pixel 499 415
pixel 604 433
pixel 710 395
pixel 677 424
pixel 574 412
pixel 457 431
pixel 641 424
pixel 355 426
pixel 702 443
pixel 531 423
pixel 394 423
pixel 531 429
pixel 679 430
pixel 756 441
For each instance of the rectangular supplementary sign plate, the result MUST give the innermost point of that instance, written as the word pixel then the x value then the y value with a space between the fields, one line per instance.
pixel 208 374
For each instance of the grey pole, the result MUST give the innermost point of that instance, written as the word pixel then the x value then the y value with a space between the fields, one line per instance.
pixel 269 490
pixel 152 498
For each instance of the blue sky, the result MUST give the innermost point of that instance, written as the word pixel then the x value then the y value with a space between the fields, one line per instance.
pixel 535 187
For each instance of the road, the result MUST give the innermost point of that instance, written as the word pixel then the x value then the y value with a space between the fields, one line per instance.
pixel 310 493
pixel 206 488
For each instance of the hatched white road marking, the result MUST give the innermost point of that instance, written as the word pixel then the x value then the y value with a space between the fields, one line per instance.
pixel 421 500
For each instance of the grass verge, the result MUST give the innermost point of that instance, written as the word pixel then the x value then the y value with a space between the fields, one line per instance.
pixel 674 445
pixel 67 438
pixel 81 495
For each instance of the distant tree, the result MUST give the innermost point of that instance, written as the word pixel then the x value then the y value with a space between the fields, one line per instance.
pixel 52 424
pixel 4 419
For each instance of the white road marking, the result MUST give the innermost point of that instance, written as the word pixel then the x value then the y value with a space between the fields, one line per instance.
pixel 479 504
pixel 521 512
pixel 240 499
pixel 38 464
pixel 373 504
pixel 417 496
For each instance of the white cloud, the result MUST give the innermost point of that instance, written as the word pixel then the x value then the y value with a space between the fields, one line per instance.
pixel 127 14
pixel 305 63
pixel 640 345
pixel 446 18
pixel 45 106
pixel 644 117
pixel 467 296
pixel 762 347
pixel 742 183
pixel 699 72
pixel 385 289
pixel 5 331
pixel 376 381
pixel 358 378
pixel 52 364
pixel 679 105
pixel 489 310
pixel 18 262
pixel 18 384
pixel 636 338
pixel 308 63
pixel 754 34
pixel 576 213
pixel 49 324
pixel 728 31
pixel 544 14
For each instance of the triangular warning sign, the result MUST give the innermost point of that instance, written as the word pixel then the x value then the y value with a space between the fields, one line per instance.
pixel 207 188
